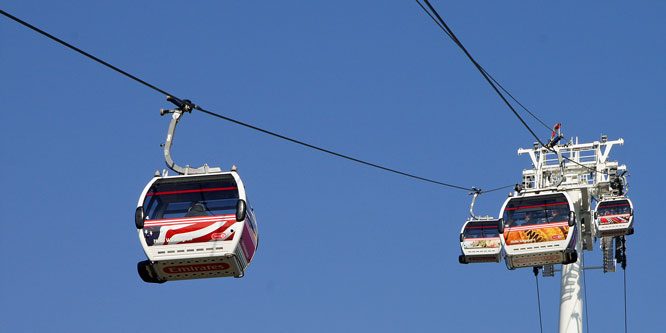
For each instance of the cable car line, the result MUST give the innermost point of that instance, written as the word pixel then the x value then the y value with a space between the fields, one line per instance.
pixel 56 39
pixel 484 70
pixel 536 278
pixel 149 272
pixel 625 299
pixel 196 107
pixel 440 22
pixel 495 189
pixel 623 258
pixel 517 102
pixel 587 312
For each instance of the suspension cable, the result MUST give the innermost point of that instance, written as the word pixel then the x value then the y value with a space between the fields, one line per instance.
pixel 196 107
pixel 484 70
pixel 491 80
pixel 624 271
pixel 78 50
pixel 517 102
pixel 455 39
pixel 496 189
pixel 84 53
pixel 625 299
pixel 536 279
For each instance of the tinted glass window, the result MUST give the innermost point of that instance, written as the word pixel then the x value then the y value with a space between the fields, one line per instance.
pixel 250 217
pixel 191 198
pixel 616 207
pixel 483 229
pixel 536 210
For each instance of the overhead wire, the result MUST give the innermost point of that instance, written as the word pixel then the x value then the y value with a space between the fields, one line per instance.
pixel 623 256
pixel 455 39
pixel 76 49
pixel 491 80
pixel 496 189
pixel 450 34
pixel 198 108
pixel 535 270
pixel 625 300
pixel 517 102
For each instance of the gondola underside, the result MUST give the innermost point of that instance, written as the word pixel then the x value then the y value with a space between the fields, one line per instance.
pixel 542 258
pixel 187 269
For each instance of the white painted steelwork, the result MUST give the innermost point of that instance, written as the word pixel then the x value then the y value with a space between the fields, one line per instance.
pixel 583 172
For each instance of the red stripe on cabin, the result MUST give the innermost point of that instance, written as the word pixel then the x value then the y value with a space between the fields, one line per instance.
pixel 194 191
pixel 553 204
pixel 204 238
pixel 189 220
pixel 536 226
pixel 208 237
pixel 604 206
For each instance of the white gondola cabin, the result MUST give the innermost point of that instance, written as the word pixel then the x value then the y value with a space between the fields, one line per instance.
pixel 195 226
pixel 614 217
pixel 537 230
pixel 480 241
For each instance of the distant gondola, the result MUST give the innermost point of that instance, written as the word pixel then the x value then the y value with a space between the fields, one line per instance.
pixel 480 241
pixel 614 217
pixel 537 230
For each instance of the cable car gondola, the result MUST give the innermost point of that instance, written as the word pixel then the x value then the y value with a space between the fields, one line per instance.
pixel 198 224
pixel 195 227
pixel 480 241
pixel 614 217
pixel 537 230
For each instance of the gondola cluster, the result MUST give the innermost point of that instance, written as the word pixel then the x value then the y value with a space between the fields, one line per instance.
pixel 199 223
pixel 539 229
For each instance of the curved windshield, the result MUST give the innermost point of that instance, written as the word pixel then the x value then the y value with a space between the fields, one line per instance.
pixel 180 198
pixel 536 210
pixel 485 229
pixel 615 207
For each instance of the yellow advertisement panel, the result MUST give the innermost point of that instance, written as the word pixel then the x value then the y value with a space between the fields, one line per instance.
pixel 536 233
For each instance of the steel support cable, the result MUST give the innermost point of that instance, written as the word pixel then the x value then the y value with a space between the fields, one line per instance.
pixel 196 107
pixel 440 22
pixel 484 70
pixel 625 299
pixel 624 271
pixel 56 39
pixel 435 20
pixel 455 39
pixel 496 189
pixel 42 32
pixel 536 278
pixel 517 102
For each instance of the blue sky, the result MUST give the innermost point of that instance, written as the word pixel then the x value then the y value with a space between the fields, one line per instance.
pixel 343 246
